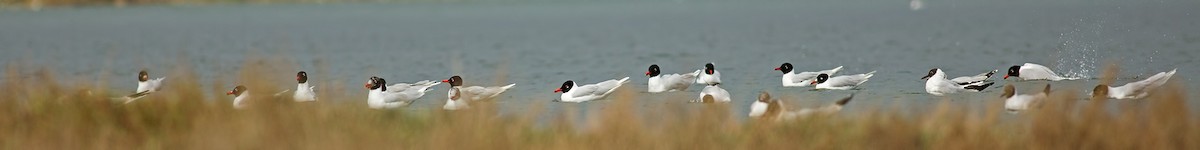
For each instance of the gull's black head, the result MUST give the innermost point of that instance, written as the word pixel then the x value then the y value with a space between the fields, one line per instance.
pixel 237 91
pixel 454 81
pixel 931 72
pixel 821 78
pixel 1100 92
pixel 1014 71
pixel 302 77
pixel 785 68
pixel 709 68
pixel 143 76
pixel 566 87
pixel 1009 91
pixel 653 71
pixel 376 83
pixel 764 97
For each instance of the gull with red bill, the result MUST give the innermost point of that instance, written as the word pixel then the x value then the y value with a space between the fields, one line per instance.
pixel 240 94
pixel 710 75
pixel 304 91
pixel 1031 71
pixel 589 92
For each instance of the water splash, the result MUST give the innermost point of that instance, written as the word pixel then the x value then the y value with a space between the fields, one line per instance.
pixel 1077 54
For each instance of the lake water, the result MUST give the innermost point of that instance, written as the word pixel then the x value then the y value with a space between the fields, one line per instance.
pixel 538 45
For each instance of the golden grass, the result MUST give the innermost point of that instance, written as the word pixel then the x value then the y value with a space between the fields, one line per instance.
pixel 38 113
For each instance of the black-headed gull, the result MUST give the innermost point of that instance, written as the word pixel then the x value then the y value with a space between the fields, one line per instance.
pixel 304 92
pixel 240 94
pixel 709 75
pixel 145 84
pixel 845 82
pixel 459 96
pixel 145 87
pixel 1014 102
pixel 1031 71
pixel 583 93
pixel 936 84
pixel 396 95
pixel 766 108
pixel 1135 90
pixel 793 79
pixel 713 94
pixel 659 82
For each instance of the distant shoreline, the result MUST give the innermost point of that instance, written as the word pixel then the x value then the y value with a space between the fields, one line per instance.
pixel 36 5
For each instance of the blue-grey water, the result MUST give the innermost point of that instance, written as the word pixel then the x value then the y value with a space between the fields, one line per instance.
pixel 538 45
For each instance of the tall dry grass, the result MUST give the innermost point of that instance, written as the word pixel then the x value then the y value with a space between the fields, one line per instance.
pixel 39 111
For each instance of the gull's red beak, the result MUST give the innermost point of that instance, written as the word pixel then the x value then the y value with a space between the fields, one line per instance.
pixel 1006 76
pixel 709 71
pixel 647 73
pixel 368 86
pixel 229 93
pixel 776 68
pixel 557 90
pixel 447 80
pixel 297 78
pixel 813 82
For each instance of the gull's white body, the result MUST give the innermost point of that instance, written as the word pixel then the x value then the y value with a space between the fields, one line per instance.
pixel 471 93
pixel 239 102
pixel 760 109
pixel 845 82
pixel 1014 102
pixel 802 79
pixel 1140 89
pixel 304 93
pixel 798 114
pixel 1031 71
pixel 143 88
pixel 152 85
pixel 708 79
pixel 398 95
pixel 671 82
pixel 1021 102
pixel 719 94
pixel 938 85
pixel 591 92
